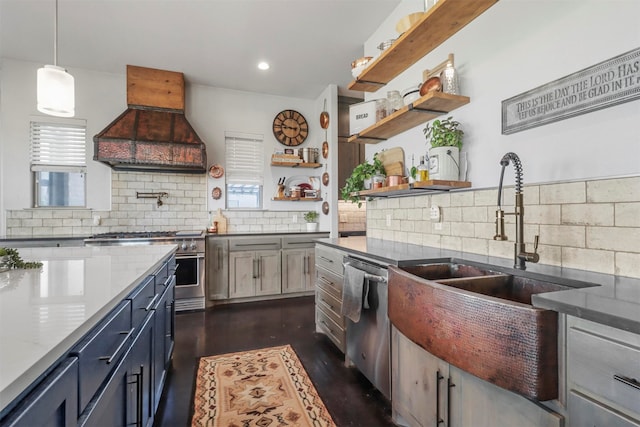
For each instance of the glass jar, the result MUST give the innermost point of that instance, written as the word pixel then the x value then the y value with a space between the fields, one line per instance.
pixel 449 79
pixel 378 181
pixel 394 101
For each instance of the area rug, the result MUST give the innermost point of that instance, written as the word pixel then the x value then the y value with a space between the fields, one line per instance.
pixel 260 388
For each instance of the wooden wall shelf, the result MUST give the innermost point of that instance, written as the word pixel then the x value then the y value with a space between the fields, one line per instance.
pixel 428 107
pixel 440 22
pixel 297 165
pixel 296 199
pixel 431 186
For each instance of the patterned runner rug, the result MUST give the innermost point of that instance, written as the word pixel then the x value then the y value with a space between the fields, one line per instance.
pixel 261 388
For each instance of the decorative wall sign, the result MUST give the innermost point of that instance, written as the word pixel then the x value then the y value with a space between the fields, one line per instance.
pixel 603 85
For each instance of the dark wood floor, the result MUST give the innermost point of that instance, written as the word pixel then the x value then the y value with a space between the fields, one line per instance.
pixel 349 397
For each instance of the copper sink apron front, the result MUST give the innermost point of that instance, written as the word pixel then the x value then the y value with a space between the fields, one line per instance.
pixel 509 344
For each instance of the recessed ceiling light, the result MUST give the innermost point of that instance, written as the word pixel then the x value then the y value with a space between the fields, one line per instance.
pixel 263 65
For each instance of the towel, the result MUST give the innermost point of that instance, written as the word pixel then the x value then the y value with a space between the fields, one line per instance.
pixel 355 285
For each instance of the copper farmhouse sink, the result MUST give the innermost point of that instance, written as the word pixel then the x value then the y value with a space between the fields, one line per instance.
pixel 481 321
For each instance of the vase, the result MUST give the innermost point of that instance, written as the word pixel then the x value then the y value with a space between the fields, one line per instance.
pixel 444 163
pixel 312 227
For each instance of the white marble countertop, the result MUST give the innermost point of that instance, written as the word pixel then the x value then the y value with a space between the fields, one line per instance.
pixel 44 312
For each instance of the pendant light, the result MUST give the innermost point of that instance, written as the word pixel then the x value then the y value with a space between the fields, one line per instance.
pixel 56 93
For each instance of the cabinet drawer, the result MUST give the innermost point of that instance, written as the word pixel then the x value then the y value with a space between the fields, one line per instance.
pixel 329 328
pixel 142 301
pixel 99 352
pixel 331 306
pixel 601 366
pixel 584 411
pixel 298 242
pixel 331 259
pixel 254 244
pixel 329 282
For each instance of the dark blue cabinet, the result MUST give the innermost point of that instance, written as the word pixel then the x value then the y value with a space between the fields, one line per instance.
pixel 53 403
pixel 163 337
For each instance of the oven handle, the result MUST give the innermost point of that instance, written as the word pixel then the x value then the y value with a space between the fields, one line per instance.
pixel 197 256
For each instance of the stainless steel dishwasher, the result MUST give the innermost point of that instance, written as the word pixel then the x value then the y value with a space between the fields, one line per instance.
pixel 368 339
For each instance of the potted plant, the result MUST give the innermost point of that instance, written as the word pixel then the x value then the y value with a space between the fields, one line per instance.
pixel 360 174
pixel 445 139
pixel 312 220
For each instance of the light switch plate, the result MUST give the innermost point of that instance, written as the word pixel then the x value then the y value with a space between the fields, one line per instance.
pixel 434 213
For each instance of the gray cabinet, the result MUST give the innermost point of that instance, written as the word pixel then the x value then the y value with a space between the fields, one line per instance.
pixel 427 391
pixel 217 265
pixel 254 273
pixel 603 375
pixel 298 270
pixel 328 288
pixel 53 403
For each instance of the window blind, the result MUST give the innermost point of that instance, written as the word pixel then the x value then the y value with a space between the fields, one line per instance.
pixel 244 159
pixel 58 147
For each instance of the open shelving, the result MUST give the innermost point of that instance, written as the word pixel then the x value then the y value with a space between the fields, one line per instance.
pixel 413 188
pixel 439 23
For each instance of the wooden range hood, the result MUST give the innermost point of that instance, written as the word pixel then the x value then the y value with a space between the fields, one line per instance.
pixel 152 134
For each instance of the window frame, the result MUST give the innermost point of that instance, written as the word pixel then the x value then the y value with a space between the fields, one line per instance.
pixel 236 174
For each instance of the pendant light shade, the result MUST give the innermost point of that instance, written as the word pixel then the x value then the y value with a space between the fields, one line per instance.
pixel 56 88
pixel 56 91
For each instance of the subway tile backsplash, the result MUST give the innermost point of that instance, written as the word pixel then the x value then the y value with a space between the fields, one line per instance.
pixel 589 225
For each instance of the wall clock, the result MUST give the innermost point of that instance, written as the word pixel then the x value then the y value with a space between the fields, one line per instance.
pixel 290 127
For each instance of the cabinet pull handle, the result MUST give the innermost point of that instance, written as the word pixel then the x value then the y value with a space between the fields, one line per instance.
pixel 631 382
pixel 152 302
pixel 305 266
pixel 110 359
pixel 253 273
pixel 139 390
pixel 450 385
pixel 326 259
pixel 439 378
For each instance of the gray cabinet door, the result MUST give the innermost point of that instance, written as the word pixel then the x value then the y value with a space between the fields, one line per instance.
pixel 294 270
pixel 217 266
pixel 269 280
pixel 242 273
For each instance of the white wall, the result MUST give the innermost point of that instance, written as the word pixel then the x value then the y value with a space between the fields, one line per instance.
pixel 101 97
pixel 515 46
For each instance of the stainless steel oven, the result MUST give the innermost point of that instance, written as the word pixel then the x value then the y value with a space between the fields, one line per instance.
pixel 190 260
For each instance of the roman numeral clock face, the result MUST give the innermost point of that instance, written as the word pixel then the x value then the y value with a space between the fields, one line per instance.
pixel 290 127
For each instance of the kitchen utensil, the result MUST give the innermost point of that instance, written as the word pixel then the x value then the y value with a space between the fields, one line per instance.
pixel 431 85
pixel 325 208
pixel 221 220
pixel 216 193
pixel 325 149
pixel 396 168
pixel 408 21
pixel 325 179
pixel 216 171
pixel 393 180
pixel 324 117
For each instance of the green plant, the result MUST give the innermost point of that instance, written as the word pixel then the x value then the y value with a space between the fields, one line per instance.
pixel 311 216
pixel 15 261
pixel 444 133
pixel 360 173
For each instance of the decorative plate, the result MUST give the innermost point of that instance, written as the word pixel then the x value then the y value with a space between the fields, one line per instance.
pixel 325 149
pixel 325 208
pixel 325 178
pixel 216 193
pixel 216 171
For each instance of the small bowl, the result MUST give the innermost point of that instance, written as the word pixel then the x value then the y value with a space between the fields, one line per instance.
pixel 432 84
pixel 408 21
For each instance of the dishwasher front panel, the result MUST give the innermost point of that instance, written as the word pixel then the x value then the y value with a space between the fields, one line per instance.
pixel 368 341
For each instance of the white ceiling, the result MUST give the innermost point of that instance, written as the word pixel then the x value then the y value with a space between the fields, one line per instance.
pixel 309 43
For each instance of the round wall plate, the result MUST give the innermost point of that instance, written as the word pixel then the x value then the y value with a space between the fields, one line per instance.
pixel 325 149
pixel 216 171
pixel 325 208
pixel 325 178
pixel 216 193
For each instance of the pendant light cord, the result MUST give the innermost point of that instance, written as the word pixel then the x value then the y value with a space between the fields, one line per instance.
pixel 55 37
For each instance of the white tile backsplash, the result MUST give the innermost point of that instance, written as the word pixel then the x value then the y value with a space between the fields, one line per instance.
pixel 591 225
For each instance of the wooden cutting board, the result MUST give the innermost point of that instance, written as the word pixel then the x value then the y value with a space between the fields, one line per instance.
pixel 392 160
pixel 222 222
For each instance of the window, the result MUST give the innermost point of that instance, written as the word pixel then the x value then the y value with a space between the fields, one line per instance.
pixel 245 166
pixel 58 162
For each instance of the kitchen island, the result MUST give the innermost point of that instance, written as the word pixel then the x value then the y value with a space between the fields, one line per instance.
pixel 51 313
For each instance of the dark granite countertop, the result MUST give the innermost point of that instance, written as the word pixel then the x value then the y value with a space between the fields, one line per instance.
pixel 603 298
